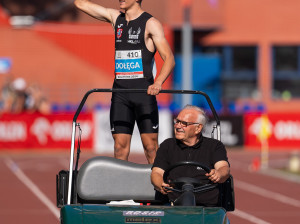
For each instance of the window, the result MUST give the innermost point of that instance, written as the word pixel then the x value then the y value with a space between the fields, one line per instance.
pixel 286 72
pixel 244 58
pixel 286 58
pixel 238 64
pixel 239 69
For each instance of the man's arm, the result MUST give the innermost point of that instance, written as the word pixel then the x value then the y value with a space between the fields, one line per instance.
pixel 157 180
pixel 97 11
pixel 221 172
pixel 155 30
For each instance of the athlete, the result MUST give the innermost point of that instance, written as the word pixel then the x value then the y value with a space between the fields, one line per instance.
pixel 137 37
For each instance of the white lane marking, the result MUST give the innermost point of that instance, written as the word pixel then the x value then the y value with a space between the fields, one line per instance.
pixel 32 187
pixel 266 193
pixel 248 217
pixel 282 175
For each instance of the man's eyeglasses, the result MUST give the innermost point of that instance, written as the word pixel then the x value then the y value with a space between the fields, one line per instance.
pixel 183 123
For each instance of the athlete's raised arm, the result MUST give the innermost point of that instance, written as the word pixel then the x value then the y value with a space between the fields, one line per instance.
pixel 97 11
pixel 156 33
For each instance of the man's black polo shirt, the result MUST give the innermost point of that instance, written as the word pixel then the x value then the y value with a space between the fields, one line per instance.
pixel 206 151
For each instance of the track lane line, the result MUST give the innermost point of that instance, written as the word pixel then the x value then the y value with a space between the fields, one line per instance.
pixel 266 193
pixel 248 217
pixel 15 169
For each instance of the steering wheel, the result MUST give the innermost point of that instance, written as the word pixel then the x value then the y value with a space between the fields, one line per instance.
pixel 183 184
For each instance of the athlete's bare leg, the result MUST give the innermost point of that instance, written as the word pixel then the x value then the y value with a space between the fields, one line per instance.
pixel 122 146
pixel 150 143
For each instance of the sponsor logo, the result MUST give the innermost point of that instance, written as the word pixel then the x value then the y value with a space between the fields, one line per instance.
pixel 133 41
pixel 40 129
pixel 118 54
pixel 287 130
pixel 155 127
pixel 13 131
pixel 119 33
pixel 120 25
pixel 143 213
pixel 129 75
pixel 43 129
pixel 142 220
pixel 132 34
pixel 257 126
pixel 281 129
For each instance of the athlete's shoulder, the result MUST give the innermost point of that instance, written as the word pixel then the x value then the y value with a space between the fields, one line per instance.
pixel 154 25
pixel 147 15
pixel 114 15
pixel 120 17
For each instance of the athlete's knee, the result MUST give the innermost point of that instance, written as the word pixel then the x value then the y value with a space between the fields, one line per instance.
pixel 120 146
pixel 121 149
pixel 150 142
pixel 151 146
pixel 150 151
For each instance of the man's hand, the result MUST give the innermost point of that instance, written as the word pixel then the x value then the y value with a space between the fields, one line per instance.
pixel 214 176
pixel 221 172
pixel 154 89
pixel 157 180
pixel 162 188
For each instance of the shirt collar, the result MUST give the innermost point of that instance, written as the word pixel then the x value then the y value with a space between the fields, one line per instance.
pixel 184 146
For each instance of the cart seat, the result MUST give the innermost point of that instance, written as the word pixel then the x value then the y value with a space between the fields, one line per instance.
pixel 107 179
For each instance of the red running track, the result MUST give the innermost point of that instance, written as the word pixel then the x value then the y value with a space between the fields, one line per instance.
pixel 28 195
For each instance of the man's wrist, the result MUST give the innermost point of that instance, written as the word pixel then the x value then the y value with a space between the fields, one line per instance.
pixel 158 83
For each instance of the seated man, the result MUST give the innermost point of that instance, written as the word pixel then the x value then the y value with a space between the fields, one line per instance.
pixel 190 145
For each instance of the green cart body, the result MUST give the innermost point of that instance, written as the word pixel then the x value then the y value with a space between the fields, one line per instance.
pixel 109 190
pixel 84 214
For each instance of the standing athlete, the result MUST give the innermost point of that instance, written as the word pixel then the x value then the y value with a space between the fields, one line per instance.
pixel 137 37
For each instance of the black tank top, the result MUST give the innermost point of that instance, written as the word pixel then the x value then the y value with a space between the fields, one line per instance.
pixel 133 61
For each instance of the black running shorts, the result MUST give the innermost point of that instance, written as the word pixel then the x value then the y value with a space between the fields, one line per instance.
pixel 126 108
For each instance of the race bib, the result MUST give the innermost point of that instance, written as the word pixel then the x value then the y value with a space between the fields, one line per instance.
pixel 129 65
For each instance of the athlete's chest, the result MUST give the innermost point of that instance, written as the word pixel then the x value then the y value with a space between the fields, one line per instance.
pixel 132 33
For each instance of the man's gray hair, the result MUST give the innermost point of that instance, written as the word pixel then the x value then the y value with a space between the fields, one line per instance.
pixel 202 117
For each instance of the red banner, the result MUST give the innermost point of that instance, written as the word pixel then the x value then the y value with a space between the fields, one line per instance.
pixel 281 130
pixel 26 131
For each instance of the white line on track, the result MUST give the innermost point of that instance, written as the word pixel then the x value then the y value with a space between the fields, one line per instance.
pixel 248 217
pixel 266 193
pixel 32 187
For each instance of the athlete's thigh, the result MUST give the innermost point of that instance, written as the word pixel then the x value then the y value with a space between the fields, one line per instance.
pixel 147 118
pixel 122 118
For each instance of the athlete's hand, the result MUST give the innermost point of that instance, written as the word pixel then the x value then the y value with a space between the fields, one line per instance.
pixel 154 89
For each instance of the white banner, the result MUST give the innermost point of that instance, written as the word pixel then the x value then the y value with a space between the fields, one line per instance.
pixel 103 141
